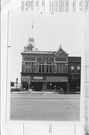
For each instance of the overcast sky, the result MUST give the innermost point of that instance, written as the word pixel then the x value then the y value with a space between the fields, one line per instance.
pixel 49 32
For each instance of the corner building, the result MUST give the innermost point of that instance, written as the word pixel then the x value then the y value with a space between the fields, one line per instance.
pixel 47 70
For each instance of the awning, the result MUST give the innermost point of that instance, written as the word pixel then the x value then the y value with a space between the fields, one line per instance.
pixel 37 81
pixel 57 79
pixel 53 79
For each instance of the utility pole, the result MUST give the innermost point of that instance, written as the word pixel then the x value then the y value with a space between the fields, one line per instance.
pixel 16 83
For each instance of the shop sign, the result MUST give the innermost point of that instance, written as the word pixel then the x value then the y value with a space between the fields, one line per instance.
pixel 38 78
pixel 75 77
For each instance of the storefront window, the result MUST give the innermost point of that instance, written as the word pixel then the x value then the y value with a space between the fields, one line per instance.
pixel 45 58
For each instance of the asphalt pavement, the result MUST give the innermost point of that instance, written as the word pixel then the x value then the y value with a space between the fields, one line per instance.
pixel 45 106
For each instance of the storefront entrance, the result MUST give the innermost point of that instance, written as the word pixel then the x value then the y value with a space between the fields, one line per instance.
pixel 36 86
pixel 39 83
pixel 57 86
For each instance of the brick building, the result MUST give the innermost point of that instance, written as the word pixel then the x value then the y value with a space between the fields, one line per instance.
pixel 44 70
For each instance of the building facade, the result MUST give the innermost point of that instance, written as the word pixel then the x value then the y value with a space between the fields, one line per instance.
pixel 48 70
pixel 74 71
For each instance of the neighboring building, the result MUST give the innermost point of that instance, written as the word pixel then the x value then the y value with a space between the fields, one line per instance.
pixel 74 70
pixel 49 69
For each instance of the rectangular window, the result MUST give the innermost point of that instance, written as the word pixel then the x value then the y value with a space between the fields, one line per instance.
pixel 29 58
pixel 39 59
pixel 60 59
pixel 29 70
pixel 26 63
pixel 78 71
pixel 40 68
pixel 50 68
pixel 43 68
pixel 51 59
pixel 63 67
pixel 33 68
pixel 57 68
pixel 60 67
pixel 45 58
pixel 26 70
pixel 47 69
pixel 48 62
pixel 72 68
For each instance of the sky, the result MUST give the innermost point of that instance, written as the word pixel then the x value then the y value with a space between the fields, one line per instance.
pixel 49 31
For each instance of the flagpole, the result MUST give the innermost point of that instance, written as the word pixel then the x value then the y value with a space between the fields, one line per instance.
pixel 32 29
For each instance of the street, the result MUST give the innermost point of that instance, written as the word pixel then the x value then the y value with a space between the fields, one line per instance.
pixel 45 106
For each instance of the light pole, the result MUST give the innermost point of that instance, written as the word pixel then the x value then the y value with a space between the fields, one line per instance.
pixel 16 83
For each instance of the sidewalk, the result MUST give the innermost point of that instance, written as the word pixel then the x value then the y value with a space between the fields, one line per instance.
pixel 43 92
pixel 32 92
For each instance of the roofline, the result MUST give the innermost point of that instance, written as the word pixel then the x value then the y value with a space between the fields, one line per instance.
pixel 62 50
pixel 39 52
pixel 74 56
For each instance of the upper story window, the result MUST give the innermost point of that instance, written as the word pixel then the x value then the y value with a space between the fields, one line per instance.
pixel 50 68
pixel 27 58
pixel 39 59
pixel 47 68
pixel 29 70
pixel 26 70
pixel 32 63
pixel 60 59
pixel 29 63
pixel 78 69
pixel 43 68
pixel 40 68
pixel 26 63
pixel 72 69
pixel 45 58
pixel 51 59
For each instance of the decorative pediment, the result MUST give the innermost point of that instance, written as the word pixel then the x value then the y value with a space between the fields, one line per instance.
pixel 61 52
pixel 28 48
